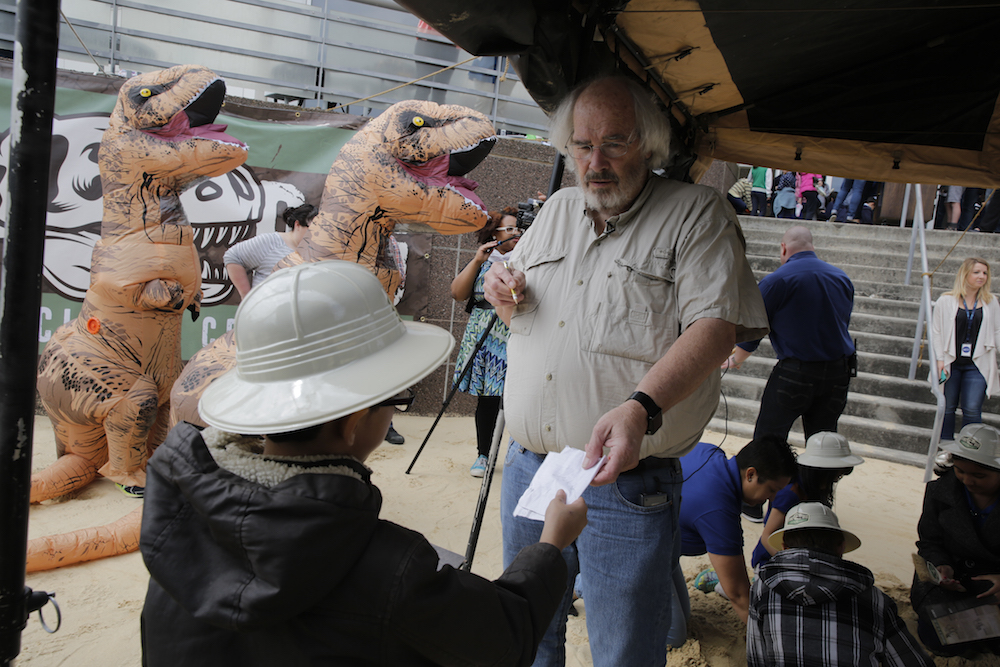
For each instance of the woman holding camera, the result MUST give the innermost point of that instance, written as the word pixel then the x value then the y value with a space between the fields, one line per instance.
pixel 489 366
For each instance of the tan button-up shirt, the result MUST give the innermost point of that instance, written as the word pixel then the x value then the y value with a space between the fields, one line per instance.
pixel 600 311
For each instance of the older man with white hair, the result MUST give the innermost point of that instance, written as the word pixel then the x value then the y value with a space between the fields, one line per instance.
pixel 623 297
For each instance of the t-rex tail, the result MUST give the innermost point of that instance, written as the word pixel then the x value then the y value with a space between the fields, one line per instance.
pixel 52 551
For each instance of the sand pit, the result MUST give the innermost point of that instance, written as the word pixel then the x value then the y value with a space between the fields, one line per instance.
pixel 101 601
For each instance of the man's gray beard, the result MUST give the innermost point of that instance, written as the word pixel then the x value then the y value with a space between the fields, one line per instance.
pixel 616 201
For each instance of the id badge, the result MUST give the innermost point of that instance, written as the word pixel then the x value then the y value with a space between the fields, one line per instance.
pixel 966 349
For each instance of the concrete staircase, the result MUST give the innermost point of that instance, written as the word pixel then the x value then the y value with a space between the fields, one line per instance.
pixel 888 415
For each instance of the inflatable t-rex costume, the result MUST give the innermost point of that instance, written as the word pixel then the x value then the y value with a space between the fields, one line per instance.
pixel 407 166
pixel 105 378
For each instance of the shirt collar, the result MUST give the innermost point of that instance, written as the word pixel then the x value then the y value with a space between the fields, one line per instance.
pixel 802 254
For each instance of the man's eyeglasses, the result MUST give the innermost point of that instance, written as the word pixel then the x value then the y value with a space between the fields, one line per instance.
pixel 401 401
pixel 609 149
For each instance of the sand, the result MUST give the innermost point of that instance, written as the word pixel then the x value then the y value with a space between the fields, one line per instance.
pixel 101 601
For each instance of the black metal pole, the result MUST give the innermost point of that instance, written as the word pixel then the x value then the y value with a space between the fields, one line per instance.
pixel 555 179
pixel 484 491
pixel 33 100
pixel 454 389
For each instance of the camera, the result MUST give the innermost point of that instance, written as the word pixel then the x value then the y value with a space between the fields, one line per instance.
pixel 526 212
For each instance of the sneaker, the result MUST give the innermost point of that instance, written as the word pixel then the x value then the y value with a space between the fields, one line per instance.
pixel 131 491
pixel 478 468
pixel 753 513
pixel 706 580
pixel 393 437
pixel 833 217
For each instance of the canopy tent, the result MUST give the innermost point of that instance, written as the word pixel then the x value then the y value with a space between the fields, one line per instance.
pixel 888 90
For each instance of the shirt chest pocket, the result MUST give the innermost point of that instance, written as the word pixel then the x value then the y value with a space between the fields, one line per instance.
pixel 538 274
pixel 645 283
pixel 637 316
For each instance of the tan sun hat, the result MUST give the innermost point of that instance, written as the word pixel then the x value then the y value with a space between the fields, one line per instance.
pixel 316 342
pixel 979 443
pixel 812 515
pixel 827 449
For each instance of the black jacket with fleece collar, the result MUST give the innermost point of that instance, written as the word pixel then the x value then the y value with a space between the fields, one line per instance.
pixel 265 561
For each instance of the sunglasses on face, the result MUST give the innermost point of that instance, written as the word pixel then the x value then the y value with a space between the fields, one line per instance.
pixel 401 401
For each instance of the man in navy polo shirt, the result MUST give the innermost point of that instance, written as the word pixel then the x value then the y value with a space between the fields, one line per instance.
pixel 809 304
pixel 713 490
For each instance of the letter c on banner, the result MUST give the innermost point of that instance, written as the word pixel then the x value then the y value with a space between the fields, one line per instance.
pixel 44 334
pixel 209 323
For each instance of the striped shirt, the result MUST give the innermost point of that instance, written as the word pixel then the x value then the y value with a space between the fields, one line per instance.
pixel 258 255
pixel 811 609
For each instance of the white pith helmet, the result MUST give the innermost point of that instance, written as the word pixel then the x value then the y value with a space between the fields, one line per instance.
pixel 827 449
pixel 316 342
pixel 812 515
pixel 979 443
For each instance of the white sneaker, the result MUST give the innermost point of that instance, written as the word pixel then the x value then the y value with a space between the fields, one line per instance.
pixel 478 468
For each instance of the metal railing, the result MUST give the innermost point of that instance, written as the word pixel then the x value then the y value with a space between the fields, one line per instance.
pixel 924 318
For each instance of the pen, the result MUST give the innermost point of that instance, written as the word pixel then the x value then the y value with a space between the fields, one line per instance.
pixel 513 294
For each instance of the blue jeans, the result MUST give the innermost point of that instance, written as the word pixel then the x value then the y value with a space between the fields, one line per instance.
pixel 968 386
pixel 681 612
pixel 626 556
pixel 848 199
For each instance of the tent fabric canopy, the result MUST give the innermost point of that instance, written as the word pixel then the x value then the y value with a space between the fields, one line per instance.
pixel 890 90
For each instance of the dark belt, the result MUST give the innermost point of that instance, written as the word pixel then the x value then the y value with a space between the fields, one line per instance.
pixel 798 364
pixel 654 463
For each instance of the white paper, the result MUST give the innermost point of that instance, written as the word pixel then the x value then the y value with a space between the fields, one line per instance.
pixel 558 471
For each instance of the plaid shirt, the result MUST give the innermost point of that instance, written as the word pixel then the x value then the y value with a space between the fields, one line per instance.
pixel 810 609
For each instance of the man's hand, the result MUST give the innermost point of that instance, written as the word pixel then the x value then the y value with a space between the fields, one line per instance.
pixel 621 431
pixel 732 571
pixel 504 289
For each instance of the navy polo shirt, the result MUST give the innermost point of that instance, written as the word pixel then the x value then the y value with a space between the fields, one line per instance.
pixel 809 304
pixel 710 503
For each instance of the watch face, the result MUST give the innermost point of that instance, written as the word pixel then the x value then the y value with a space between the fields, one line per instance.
pixel 654 424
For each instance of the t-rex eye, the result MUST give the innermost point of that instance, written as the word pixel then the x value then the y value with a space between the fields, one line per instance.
pixel 143 94
pixel 418 121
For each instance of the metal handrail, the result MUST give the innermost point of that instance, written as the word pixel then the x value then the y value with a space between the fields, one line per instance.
pixel 926 313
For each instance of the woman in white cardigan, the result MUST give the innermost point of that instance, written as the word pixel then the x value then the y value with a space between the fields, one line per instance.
pixel 966 329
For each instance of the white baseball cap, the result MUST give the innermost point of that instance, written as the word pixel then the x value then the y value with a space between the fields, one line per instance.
pixel 812 515
pixel 316 342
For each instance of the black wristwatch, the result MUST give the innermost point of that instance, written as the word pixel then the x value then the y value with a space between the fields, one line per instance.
pixel 654 415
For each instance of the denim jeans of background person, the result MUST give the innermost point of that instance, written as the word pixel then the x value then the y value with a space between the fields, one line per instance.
pixel 848 201
pixel 619 297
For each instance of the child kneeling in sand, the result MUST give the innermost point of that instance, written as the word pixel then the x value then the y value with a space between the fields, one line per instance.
pixel 271 552
pixel 809 606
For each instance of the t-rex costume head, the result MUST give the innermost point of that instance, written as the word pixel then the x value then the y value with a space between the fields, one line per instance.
pixel 407 167
pixel 105 378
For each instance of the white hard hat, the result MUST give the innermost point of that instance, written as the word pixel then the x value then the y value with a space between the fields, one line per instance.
pixel 812 515
pixel 828 450
pixel 314 343
pixel 979 443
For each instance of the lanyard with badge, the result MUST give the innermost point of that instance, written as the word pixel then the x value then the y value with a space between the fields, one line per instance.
pixel 969 316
